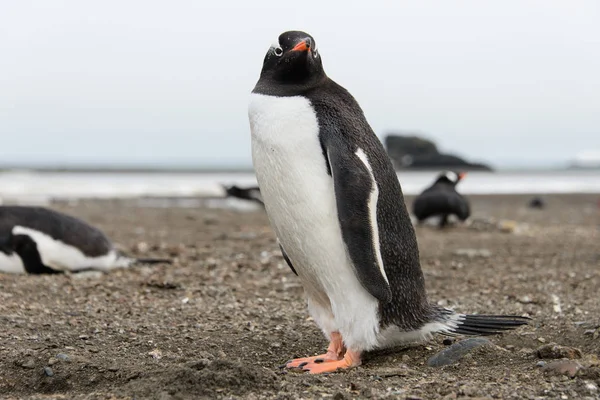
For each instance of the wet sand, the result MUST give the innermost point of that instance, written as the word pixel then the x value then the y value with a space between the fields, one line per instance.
pixel 220 321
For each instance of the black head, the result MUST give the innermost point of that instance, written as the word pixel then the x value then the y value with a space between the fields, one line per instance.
pixel 450 177
pixel 292 61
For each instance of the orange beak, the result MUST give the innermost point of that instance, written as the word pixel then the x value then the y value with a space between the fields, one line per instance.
pixel 302 46
pixel 461 176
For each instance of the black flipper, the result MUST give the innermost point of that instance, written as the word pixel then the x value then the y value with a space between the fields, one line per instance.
pixel 353 184
pixel 287 259
pixel 27 249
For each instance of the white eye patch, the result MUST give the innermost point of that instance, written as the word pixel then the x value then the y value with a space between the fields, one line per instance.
pixel 452 176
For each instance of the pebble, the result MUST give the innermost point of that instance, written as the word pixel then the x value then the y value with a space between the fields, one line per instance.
pixel 48 371
pixel 567 368
pixel 156 354
pixel 472 253
pixel 555 351
pixel 63 357
pixel 454 353
pixel 29 364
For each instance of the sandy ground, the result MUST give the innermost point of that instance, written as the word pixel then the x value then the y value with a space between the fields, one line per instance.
pixel 220 321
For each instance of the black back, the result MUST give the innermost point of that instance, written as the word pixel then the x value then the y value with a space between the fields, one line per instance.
pixel 69 230
pixel 342 124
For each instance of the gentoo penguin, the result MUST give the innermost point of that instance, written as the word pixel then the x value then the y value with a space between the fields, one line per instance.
pixel 38 240
pixel 250 193
pixel 442 200
pixel 336 207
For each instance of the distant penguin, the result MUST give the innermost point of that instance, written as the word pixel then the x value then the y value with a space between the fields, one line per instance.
pixel 250 193
pixel 38 240
pixel 336 206
pixel 537 202
pixel 441 200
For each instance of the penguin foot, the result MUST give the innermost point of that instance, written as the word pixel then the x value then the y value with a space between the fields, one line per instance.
pixel 301 362
pixel 351 359
pixel 335 352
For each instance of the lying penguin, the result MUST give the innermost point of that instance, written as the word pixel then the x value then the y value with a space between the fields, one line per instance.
pixel 251 193
pixel 335 204
pixel 441 200
pixel 38 240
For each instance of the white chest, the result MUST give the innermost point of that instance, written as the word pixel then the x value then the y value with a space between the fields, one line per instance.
pixel 11 264
pixel 297 191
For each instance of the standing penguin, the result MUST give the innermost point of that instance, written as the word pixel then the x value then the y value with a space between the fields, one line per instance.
pixel 442 200
pixel 38 240
pixel 335 204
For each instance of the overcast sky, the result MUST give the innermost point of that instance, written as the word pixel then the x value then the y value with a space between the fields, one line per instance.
pixel 507 81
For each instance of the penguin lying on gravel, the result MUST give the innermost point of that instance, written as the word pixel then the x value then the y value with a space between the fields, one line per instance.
pixel 442 200
pixel 336 206
pixel 250 193
pixel 38 240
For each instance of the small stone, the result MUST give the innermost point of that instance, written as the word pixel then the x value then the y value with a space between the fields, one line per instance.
pixel 567 368
pixel 525 299
pixel 84 337
pixel 591 387
pixel 48 371
pixel 142 247
pixel 276 344
pixel 29 364
pixel 454 353
pixel 540 364
pixel 447 342
pixel 156 354
pixel 472 253
pixel 555 351
pixel 541 340
pixel 113 368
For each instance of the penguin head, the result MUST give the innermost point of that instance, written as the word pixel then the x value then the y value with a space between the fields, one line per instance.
pixel 293 59
pixel 451 177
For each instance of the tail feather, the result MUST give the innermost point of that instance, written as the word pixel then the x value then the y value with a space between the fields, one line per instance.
pixel 152 261
pixel 480 325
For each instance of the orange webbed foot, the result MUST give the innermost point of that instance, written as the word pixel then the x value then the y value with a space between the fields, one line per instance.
pixel 301 362
pixel 351 359
pixel 335 352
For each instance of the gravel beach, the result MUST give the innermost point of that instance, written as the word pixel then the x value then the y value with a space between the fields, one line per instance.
pixel 221 320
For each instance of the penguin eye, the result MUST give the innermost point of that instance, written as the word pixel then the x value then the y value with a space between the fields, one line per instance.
pixel 278 51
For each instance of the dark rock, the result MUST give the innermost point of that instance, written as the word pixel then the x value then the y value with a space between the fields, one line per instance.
pixel 537 202
pixel 63 357
pixel 555 351
pixel 413 152
pixel 48 371
pixel 28 364
pixel 457 351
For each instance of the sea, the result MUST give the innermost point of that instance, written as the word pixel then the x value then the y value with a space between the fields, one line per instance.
pixel 41 187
